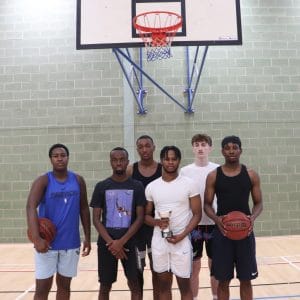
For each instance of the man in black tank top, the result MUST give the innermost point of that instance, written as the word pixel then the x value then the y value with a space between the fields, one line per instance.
pixel 145 170
pixel 232 183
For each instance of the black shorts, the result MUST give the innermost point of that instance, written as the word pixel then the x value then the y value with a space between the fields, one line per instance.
pixel 144 238
pixel 202 234
pixel 108 264
pixel 229 254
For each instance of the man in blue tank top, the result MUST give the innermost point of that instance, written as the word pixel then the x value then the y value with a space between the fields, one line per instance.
pixel 233 183
pixel 60 195
pixel 146 170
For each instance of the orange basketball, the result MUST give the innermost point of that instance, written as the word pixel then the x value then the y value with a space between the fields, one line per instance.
pixel 237 225
pixel 47 230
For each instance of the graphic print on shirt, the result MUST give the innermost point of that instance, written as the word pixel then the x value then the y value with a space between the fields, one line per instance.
pixel 119 208
pixel 64 195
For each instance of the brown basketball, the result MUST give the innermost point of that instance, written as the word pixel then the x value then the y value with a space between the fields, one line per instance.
pixel 237 225
pixel 47 230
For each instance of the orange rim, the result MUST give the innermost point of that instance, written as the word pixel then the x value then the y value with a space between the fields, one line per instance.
pixel 171 28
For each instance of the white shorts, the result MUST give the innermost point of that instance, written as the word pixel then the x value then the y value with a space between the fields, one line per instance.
pixel 175 258
pixel 64 262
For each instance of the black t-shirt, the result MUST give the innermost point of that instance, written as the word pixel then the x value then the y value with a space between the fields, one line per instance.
pixel 118 201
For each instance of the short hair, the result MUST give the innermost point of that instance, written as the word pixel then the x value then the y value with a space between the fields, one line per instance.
pixel 231 139
pixel 199 137
pixel 119 149
pixel 145 136
pixel 165 150
pixel 58 146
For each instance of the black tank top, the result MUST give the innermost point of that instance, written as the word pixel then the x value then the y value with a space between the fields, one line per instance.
pixel 233 192
pixel 145 180
pixel 144 235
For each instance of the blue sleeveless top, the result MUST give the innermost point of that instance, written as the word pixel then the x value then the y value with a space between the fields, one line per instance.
pixel 61 204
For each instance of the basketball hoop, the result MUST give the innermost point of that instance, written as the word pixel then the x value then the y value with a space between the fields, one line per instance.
pixel 157 30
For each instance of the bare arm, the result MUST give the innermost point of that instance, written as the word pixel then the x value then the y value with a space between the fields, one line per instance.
pixel 256 195
pixel 196 207
pixel 34 198
pixel 85 217
pixel 149 220
pixel 209 195
pixel 116 247
pixel 129 170
pixel 99 226
pixel 104 234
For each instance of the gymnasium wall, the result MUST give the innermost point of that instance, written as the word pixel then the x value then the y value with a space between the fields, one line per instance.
pixel 50 92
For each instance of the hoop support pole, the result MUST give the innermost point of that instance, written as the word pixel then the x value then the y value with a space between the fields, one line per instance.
pixel 191 92
pixel 140 94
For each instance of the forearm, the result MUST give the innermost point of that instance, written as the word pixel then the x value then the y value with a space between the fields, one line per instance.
pixel 150 221
pixel 102 231
pixel 192 224
pixel 210 212
pixel 256 210
pixel 32 220
pixel 86 223
pixel 132 230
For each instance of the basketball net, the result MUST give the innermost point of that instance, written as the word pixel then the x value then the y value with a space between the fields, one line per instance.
pixel 157 29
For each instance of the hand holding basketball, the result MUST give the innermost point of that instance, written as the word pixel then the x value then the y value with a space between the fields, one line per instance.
pixel 236 225
pixel 47 230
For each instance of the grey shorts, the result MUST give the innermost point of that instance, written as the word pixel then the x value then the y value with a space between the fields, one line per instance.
pixel 64 262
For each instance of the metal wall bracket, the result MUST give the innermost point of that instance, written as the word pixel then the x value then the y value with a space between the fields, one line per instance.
pixel 193 78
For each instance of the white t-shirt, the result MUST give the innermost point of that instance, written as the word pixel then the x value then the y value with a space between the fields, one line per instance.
pixel 199 175
pixel 172 196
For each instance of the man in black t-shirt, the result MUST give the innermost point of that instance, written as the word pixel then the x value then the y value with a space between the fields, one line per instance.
pixel 118 213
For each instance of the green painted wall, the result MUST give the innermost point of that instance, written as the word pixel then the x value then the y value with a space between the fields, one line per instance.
pixel 50 92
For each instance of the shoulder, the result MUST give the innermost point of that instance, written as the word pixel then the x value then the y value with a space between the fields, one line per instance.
pixel 213 165
pixel 135 182
pixel 78 176
pixel 155 182
pixel 182 177
pixel 185 180
pixel 189 184
pixel 39 184
pixel 103 183
pixel 213 173
pixel 252 173
pixel 42 180
pixel 129 170
pixel 187 167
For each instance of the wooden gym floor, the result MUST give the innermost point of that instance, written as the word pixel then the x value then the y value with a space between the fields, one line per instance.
pixel 278 261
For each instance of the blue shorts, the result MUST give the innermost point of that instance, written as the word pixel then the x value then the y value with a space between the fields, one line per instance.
pixel 64 262
pixel 229 255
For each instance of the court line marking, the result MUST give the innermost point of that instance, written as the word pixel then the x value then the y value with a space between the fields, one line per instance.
pixel 26 292
pixel 290 263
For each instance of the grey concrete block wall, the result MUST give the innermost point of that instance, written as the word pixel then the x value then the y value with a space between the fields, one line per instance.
pixel 50 92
